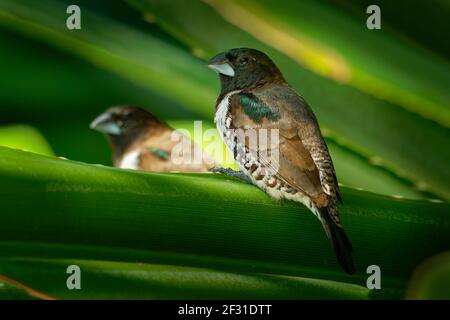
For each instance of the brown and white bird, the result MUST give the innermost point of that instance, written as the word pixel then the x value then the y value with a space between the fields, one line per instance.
pixel 255 96
pixel 142 142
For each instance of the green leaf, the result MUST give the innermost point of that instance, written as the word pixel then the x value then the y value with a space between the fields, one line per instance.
pixel 174 219
pixel 11 289
pixel 119 48
pixel 25 138
pixel 101 280
pixel 431 279
pixel 428 35
pixel 9 292
pixel 353 170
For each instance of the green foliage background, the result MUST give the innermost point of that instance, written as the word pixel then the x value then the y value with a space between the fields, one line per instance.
pixel 381 98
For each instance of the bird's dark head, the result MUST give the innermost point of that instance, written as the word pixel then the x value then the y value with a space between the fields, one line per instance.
pixel 244 68
pixel 122 120
pixel 124 125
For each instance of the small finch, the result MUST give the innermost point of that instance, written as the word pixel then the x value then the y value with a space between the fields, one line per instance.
pixel 255 96
pixel 140 141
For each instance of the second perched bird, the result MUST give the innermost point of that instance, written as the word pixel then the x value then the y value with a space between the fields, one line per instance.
pixel 255 96
pixel 140 141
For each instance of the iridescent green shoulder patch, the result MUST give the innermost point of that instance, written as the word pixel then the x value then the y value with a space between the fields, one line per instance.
pixel 257 110
pixel 159 153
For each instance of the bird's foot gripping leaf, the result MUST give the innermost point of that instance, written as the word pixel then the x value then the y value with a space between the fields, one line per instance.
pixel 230 172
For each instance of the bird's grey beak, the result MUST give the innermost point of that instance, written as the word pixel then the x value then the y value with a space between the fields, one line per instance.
pixel 221 65
pixel 223 68
pixel 105 124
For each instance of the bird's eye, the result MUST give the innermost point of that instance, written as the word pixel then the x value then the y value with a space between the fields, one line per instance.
pixel 119 123
pixel 124 119
pixel 243 60
pixel 126 116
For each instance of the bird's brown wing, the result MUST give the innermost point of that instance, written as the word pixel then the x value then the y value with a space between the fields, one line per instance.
pixel 150 161
pixel 294 165
pixel 172 152
pixel 300 119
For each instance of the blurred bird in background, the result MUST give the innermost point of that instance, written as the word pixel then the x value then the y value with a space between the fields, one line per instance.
pixel 255 96
pixel 142 142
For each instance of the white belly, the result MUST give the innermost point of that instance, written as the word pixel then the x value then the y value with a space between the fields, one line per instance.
pixel 130 160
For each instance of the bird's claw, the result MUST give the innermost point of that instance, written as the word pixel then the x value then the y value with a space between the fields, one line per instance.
pixel 226 171
pixel 230 172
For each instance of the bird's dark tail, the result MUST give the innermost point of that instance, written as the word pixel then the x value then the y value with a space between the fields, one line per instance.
pixel 341 244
